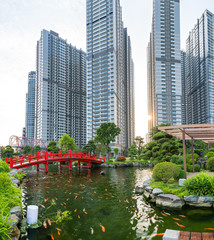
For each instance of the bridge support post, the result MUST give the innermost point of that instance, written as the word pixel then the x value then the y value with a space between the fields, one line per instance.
pixel 7 160
pixel 60 164
pixel 89 164
pixel 11 162
pixel 70 165
pixel 46 167
pixel 78 164
pixel 37 167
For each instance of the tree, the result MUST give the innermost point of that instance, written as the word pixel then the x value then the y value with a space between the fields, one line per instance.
pixel 90 147
pixel 132 151
pixel 106 134
pixel 100 149
pixel 116 151
pixel 67 143
pixel 7 151
pixel 52 147
pixel 26 149
pixel 36 148
pixel 139 143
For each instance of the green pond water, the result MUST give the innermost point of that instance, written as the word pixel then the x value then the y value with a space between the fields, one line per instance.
pixel 108 200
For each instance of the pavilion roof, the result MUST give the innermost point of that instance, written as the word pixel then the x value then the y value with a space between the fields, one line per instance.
pixel 204 132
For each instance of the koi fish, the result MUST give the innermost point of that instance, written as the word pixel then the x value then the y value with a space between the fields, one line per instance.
pixel 75 210
pixel 75 197
pixel 52 237
pixel 59 233
pixel 179 225
pixel 67 199
pixel 133 209
pixel 42 205
pixel 182 216
pixel 82 197
pixel 119 200
pixel 45 224
pixel 79 216
pixel 134 198
pixel 159 235
pixel 46 199
pixel 106 190
pixel 177 219
pixel 95 192
pixel 211 229
pixel 61 204
pixel 49 222
pixel 58 229
pixel 103 228
pixel 164 214
pixel 92 231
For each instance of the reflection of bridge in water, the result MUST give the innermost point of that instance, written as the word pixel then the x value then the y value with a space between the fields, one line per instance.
pixel 20 142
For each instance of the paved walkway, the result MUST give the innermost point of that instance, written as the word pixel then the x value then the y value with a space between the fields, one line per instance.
pixel 194 174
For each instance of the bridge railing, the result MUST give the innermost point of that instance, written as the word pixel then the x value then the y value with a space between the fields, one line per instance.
pixel 39 156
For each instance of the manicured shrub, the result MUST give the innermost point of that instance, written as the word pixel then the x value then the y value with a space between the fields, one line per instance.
pixel 197 168
pixel 209 155
pixel 189 158
pixel 4 167
pixel 174 159
pixel 210 164
pixel 211 150
pixel 181 174
pixel 199 151
pixel 201 185
pixel 121 158
pixel 165 171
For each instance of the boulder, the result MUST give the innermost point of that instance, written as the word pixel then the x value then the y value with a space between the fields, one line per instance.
pixel 135 164
pixel 15 210
pixel 15 181
pixel 169 200
pixel 13 172
pixel 13 221
pixel 181 182
pixel 146 183
pixel 157 191
pixel 195 201
pixel 139 190
pixel 149 189
pixel 104 165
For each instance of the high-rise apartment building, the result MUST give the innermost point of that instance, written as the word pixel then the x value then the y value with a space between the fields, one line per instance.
pixel 30 106
pixel 164 64
pixel 110 74
pixel 199 73
pixel 60 90
pixel 184 106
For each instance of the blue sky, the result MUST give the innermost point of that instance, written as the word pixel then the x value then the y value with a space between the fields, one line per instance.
pixel 21 22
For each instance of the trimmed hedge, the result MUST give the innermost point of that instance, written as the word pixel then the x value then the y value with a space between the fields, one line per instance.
pixel 210 164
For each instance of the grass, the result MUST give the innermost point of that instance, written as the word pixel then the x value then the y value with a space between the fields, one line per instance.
pixel 170 188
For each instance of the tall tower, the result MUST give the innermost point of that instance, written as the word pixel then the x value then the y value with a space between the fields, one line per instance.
pixel 30 106
pixel 60 90
pixel 164 64
pixel 199 73
pixel 110 80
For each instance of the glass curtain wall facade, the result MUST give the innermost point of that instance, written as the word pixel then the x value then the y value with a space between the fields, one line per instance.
pixel 60 90
pixel 184 89
pixel 199 67
pixel 164 64
pixel 110 79
pixel 30 106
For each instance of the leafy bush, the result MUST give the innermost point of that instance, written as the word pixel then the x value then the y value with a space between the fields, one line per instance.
pixel 197 168
pixel 181 174
pixel 20 176
pixel 200 185
pixel 165 171
pixel 209 155
pixel 4 226
pixel 121 158
pixel 199 151
pixel 210 164
pixel 140 157
pixel 4 167
pixel 189 158
pixel 211 150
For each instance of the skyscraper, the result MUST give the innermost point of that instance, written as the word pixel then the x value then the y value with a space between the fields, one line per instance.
pixel 60 90
pixel 30 106
pixel 110 76
pixel 184 89
pixel 199 73
pixel 164 64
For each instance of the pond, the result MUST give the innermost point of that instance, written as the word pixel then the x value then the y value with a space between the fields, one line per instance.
pixel 102 207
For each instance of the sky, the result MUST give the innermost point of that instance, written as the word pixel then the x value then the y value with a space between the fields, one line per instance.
pixel 21 22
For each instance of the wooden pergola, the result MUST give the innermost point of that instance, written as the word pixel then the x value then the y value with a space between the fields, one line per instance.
pixel 204 132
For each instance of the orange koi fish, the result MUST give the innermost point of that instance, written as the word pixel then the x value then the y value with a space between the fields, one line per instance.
pixel 52 237
pixel 46 199
pixel 177 219
pixel 79 216
pixel 182 216
pixel 75 210
pixel 49 222
pixel 85 212
pixel 61 204
pixel 75 197
pixel 159 235
pixel 119 200
pixel 92 231
pixel 95 192
pixel 103 228
pixel 67 199
pixel 179 225
pixel 133 209
pixel 42 205
pixel 45 224
pixel 164 214
pixel 134 198
pixel 211 229
pixel 106 190
pixel 58 229
pixel 59 233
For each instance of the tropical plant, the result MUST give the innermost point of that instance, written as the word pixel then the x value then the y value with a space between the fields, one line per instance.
pixel 67 143
pixel 210 164
pixel 26 149
pixel 139 143
pixel 165 171
pixel 132 151
pixel 52 147
pixel 200 185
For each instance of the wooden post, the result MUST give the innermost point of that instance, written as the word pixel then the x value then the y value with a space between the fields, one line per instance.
pixel 184 153
pixel 193 161
pixel 37 167
pixel 78 164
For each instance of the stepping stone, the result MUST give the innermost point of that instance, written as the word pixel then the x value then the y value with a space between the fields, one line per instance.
pixel 207 236
pixel 171 235
pixel 195 236
pixel 184 236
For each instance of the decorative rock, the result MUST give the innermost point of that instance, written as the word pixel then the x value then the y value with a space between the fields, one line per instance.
pixel 181 182
pixel 195 201
pixel 171 235
pixel 15 210
pixel 147 194
pixel 104 165
pixel 146 183
pixel 169 200
pixel 139 190
pixel 149 189
pixel 157 191
pixel 102 173
pixel 15 181
pixel 14 222
pixel 13 172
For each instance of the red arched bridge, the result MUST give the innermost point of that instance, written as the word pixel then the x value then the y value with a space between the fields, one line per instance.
pixel 38 158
